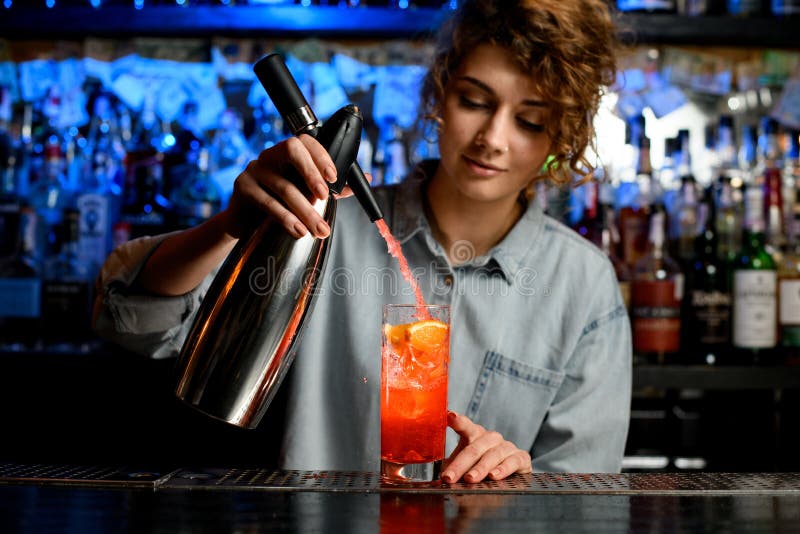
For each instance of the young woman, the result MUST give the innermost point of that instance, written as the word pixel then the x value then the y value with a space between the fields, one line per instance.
pixel 540 372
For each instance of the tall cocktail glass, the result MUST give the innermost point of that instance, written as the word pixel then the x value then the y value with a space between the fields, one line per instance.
pixel 415 354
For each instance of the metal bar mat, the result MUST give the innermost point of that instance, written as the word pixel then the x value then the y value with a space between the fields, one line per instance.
pixel 544 483
pixel 82 475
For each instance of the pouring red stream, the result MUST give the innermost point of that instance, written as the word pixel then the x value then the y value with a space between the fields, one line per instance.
pixel 395 250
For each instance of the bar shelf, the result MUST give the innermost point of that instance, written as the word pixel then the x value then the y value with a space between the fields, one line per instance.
pixel 366 22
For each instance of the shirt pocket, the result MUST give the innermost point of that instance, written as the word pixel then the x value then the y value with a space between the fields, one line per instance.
pixel 513 398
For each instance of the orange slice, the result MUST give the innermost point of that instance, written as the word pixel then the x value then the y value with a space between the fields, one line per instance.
pixel 427 335
pixel 395 334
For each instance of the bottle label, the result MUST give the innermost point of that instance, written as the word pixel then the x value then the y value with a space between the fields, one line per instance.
pixel 94 228
pixel 710 316
pixel 656 316
pixel 754 309
pixel 789 308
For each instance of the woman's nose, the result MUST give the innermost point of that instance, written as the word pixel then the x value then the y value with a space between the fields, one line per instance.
pixel 494 135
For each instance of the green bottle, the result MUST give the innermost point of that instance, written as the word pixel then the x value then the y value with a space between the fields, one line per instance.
pixel 755 325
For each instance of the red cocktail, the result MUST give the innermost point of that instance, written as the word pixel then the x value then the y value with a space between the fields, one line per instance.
pixel 415 356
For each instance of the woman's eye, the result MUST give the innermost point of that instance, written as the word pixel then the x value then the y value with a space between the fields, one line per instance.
pixel 530 126
pixel 471 104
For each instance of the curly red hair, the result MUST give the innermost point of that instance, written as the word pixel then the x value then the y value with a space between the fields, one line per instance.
pixel 569 47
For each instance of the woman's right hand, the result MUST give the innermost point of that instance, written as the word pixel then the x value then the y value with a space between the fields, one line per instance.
pixel 261 189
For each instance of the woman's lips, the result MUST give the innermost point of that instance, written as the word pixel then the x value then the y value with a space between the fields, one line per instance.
pixel 484 169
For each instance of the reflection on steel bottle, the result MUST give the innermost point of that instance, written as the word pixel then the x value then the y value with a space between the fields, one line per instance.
pixel 243 339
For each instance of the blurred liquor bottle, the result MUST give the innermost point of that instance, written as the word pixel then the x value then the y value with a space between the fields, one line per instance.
pixel 100 194
pixel 590 224
pixel 728 223
pixel 634 217
pixel 748 154
pixel 656 295
pixel 199 197
pixel 50 193
pixel 789 263
pixel 609 240
pixel 9 190
pixel 267 130
pixel 686 221
pixel 725 147
pixel 770 176
pixel 229 151
pixel 182 139
pixel 754 287
pixel 144 207
pixel 707 304
pixel 67 292
pixel 670 180
pixel 20 279
pixel 685 218
pixel 390 159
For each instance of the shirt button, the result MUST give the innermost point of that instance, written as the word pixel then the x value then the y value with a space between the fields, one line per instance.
pixel 448 280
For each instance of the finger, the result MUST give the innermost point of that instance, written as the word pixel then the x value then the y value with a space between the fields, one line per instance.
pixel 294 153
pixel 519 462
pixel 454 421
pixel 489 461
pixel 295 212
pixel 297 203
pixel 248 188
pixel 470 455
pixel 464 426
pixel 346 191
pixel 321 158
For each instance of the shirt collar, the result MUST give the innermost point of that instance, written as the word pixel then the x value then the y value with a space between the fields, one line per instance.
pixel 409 212
pixel 509 255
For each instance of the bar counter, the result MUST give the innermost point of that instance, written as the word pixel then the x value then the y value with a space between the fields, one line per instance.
pixel 71 498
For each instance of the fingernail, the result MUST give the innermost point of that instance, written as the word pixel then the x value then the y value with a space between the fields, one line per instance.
pixel 448 476
pixel 330 173
pixel 323 192
pixel 323 230
pixel 472 474
pixel 496 473
pixel 299 229
pixel 452 415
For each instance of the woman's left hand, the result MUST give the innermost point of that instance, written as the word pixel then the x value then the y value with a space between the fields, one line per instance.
pixel 481 453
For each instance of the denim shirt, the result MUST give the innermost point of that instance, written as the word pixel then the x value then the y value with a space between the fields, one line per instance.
pixel 540 338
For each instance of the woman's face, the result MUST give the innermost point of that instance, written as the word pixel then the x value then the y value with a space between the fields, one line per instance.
pixel 492 141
